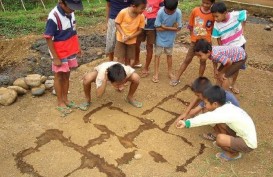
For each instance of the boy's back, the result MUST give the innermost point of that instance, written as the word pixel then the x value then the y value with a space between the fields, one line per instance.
pixel 166 38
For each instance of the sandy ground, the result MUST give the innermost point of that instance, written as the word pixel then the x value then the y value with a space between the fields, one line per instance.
pixel 36 141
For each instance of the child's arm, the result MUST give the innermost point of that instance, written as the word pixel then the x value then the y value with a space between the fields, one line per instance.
pixel 101 89
pixel 134 35
pixel 185 115
pixel 124 36
pixel 219 41
pixel 215 65
pixel 169 28
pixel 56 59
pixel 221 74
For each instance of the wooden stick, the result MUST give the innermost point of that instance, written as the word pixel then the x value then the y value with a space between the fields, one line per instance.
pixel 43 3
pixel 23 5
pixel 2 5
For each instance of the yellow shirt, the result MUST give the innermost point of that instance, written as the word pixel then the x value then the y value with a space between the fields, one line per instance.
pixel 129 25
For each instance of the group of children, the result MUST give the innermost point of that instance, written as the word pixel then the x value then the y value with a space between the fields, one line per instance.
pixel 131 22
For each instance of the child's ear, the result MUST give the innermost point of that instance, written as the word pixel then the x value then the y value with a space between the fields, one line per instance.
pixel 215 104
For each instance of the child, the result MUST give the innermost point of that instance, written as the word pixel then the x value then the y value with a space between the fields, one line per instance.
pixel 232 58
pixel 148 34
pixel 200 26
pixel 239 133
pixel 167 23
pixel 198 87
pixel 129 23
pixel 118 74
pixel 63 44
pixel 228 29
pixel 113 7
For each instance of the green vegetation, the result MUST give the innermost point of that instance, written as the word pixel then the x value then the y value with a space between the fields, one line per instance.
pixel 19 22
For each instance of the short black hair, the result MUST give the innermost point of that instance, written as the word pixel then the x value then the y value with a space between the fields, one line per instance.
pixel 116 73
pixel 212 1
pixel 202 45
pixel 219 7
pixel 138 2
pixel 215 94
pixel 201 84
pixel 171 4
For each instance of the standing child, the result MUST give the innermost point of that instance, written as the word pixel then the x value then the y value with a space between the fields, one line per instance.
pixel 113 7
pixel 167 23
pixel 229 30
pixel 63 44
pixel 232 58
pixel 118 74
pixel 148 34
pixel 129 23
pixel 239 133
pixel 200 26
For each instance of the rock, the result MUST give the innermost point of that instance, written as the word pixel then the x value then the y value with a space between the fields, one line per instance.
pixel 4 80
pixel 138 156
pixel 19 90
pixel 99 53
pixel 21 83
pixel 33 80
pixel 43 79
pixel 38 91
pixel 7 96
pixel 267 28
pixel 271 25
pixel 51 77
pixel 271 19
pixel 49 84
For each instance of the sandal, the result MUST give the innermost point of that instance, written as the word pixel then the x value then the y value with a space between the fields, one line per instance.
pixel 84 106
pixel 234 90
pixel 208 136
pixel 137 66
pixel 63 110
pixel 174 82
pixel 215 145
pixel 134 103
pixel 142 75
pixel 223 156
pixel 155 80
pixel 71 104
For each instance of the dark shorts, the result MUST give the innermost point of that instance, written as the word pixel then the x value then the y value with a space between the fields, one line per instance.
pixel 236 66
pixel 123 51
pixel 148 36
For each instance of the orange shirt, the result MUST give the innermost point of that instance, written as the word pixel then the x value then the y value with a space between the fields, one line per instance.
pixel 129 25
pixel 200 24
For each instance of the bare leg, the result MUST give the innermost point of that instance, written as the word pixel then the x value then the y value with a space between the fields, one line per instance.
pixel 224 141
pixel 65 87
pixel 202 68
pixel 156 71
pixel 134 79
pixel 58 86
pixel 121 60
pixel 136 62
pixel 111 56
pixel 170 66
pixel 87 80
pixel 149 57
pixel 234 78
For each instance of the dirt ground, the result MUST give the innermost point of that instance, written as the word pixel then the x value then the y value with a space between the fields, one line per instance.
pixel 36 141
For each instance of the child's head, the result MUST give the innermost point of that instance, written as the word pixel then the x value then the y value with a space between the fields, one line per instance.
pixel 206 4
pixel 200 85
pixel 138 6
pixel 116 74
pixel 170 6
pixel 214 97
pixel 202 49
pixel 219 11
pixel 70 6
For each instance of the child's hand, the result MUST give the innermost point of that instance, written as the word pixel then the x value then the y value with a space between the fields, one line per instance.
pixel 175 25
pixel 57 62
pixel 125 38
pixel 181 117
pixel 180 124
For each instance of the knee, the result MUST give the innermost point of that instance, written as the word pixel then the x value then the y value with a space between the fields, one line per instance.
pixel 220 139
pixel 86 80
pixel 135 78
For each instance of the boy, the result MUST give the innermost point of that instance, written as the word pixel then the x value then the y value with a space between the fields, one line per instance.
pixel 232 58
pixel 113 7
pixel 239 133
pixel 118 74
pixel 167 23
pixel 63 44
pixel 129 23
pixel 148 34
pixel 200 26
pixel 228 29
pixel 198 87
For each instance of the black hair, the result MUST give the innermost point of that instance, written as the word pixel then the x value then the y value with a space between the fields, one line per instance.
pixel 138 2
pixel 202 45
pixel 212 1
pixel 116 73
pixel 201 84
pixel 219 7
pixel 171 4
pixel 215 94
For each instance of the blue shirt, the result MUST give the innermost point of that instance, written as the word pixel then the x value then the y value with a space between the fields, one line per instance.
pixel 229 98
pixel 116 6
pixel 166 38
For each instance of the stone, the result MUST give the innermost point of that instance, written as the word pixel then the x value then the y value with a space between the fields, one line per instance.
pixel 43 79
pixel 38 91
pixel 4 80
pixel 137 156
pixel 33 80
pixel 271 25
pixel 7 96
pixel 21 83
pixel 51 77
pixel 267 28
pixel 49 84
pixel 19 90
pixel 99 53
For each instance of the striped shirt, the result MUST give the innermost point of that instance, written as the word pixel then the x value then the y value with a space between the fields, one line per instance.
pixel 230 31
pixel 223 54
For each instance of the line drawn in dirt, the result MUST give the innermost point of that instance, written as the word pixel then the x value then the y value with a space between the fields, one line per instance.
pixel 92 160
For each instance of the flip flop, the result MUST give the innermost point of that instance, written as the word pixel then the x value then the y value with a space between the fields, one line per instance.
pixel 215 145
pixel 84 106
pixel 223 156
pixel 63 110
pixel 208 136
pixel 71 104
pixel 174 82
pixel 155 80
pixel 134 103
pixel 142 75
pixel 234 90
pixel 137 66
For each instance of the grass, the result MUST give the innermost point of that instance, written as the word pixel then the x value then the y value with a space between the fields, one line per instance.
pixel 18 23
